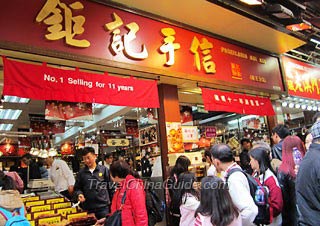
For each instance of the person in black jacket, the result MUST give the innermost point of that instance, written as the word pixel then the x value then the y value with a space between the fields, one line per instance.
pixel 278 134
pixel 92 185
pixel 244 155
pixel 308 182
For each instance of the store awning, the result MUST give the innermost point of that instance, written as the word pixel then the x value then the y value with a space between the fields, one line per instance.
pixel 215 100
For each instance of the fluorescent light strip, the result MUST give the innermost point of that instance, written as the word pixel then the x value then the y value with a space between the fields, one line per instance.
pixel 315 41
pixel 14 99
pixel 252 2
pixel 10 114
pixel 6 127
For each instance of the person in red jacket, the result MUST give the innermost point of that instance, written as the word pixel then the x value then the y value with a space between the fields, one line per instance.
pixel 260 163
pixel 134 212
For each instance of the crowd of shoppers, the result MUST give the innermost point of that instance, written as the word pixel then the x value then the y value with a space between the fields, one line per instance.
pixel 222 198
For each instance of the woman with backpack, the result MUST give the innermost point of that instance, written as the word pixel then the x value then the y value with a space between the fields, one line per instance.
pixel 216 207
pixel 181 166
pixel 260 163
pixel 287 177
pixel 188 198
pixel 10 202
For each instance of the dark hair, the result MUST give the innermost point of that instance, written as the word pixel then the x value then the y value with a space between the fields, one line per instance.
pixel 181 166
pixel 215 202
pixel 261 155
pixel 6 182
pixel 207 153
pixel 315 117
pixel 121 169
pixel 27 156
pixel 87 150
pixel 222 152
pixel 281 130
pixel 107 156
pixel 185 185
pixel 245 140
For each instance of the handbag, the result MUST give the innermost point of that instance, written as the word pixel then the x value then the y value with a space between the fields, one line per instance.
pixel 115 218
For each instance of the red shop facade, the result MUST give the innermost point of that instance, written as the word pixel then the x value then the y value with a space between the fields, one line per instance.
pixel 82 51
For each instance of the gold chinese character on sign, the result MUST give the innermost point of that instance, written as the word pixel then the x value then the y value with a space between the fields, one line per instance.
pixel 54 13
pixel 118 45
pixel 205 47
pixel 236 71
pixel 169 46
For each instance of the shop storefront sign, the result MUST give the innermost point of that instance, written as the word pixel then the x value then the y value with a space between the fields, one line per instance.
pixel 215 100
pixel 90 29
pixel 302 79
pixel 190 134
pixel 117 142
pixel 41 82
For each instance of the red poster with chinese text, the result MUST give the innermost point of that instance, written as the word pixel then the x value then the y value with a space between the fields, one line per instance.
pixel 215 100
pixel 46 83
pixel 302 79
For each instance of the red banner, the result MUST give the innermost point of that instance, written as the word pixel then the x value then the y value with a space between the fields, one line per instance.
pixel 215 100
pixel 58 110
pixel 120 36
pixel 302 79
pixel 46 83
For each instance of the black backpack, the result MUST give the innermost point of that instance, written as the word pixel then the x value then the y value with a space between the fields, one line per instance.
pixel 263 216
pixel 155 206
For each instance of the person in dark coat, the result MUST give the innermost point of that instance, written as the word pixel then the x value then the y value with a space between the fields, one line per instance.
pixel 287 179
pixel 308 182
pixel 244 155
pixel 279 133
pixel 92 185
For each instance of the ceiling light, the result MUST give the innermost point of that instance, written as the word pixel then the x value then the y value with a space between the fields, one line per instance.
pixel 297 105
pixel 6 127
pixel 252 2
pixel 299 27
pixel 315 41
pixel 280 11
pixel 314 108
pixel 10 114
pixel 309 108
pixel 303 107
pixel 14 99
pixel 284 104
pixel 318 108
pixel 291 105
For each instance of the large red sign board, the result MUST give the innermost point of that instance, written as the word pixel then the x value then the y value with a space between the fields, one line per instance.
pixel 91 29
pixel 302 79
pixel 215 100
pixel 41 82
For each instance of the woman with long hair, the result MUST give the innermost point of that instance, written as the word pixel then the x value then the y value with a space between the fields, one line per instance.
pixel 181 166
pixel 187 198
pixel 287 176
pixel 216 207
pixel 260 163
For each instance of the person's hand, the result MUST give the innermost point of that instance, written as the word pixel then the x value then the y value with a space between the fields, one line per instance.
pixel 100 222
pixel 70 189
pixel 81 198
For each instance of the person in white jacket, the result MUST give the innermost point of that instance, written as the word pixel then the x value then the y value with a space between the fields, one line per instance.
pixel 188 198
pixel 238 185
